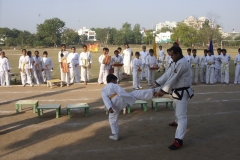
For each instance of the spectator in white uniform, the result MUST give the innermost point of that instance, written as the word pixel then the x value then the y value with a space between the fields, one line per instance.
pixel 47 66
pixel 210 74
pixel 38 67
pixel 225 59
pixel 136 69
pixel 85 61
pixel 203 67
pixel 4 69
pixel 151 62
pixel 194 61
pixel 144 55
pixel 127 59
pixel 161 58
pixel 168 60
pixel 188 56
pixel 104 66
pixel 217 66
pixel 73 60
pixel 63 54
pixel 121 68
pixel 237 68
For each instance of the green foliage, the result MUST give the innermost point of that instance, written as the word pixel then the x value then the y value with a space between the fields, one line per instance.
pixel 148 39
pixel 70 37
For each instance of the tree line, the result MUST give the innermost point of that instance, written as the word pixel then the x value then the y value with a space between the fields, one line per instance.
pixel 53 32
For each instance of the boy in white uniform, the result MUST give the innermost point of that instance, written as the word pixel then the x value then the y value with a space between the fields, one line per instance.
pixel 217 69
pixel 188 56
pixel 24 67
pixel 225 59
pixel 121 68
pixel 177 81
pixel 194 61
pixel 144 55
pixel 63 54
pixel 151 62
pixel 210 74
pixel 73 60
pixel 85 61
pixel 136 69
pixel 38 67
pixel 33 77
pixel 168 60
pixel 47 65
pixel 161 57
pixel 203 66
pixel 237 69
pixel 127 59
pixel 104 67
pixel 117 59
pixel 4 69
pixel 115 99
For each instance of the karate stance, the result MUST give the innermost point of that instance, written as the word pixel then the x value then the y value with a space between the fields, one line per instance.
pixel 210 74
pixel 144 55
pixel 136 69
pixel 225 59
pixel 151 62
pixel 73 60
pixel 115 99
pixel 217 67
pixel 194 61
pixel 62 59
pixel 203 66
pixel 105 65
pixel 177 81
pixel 47 66
pixel 237 68
pixel 117 69
pixel 85 61
pixel 37 72
pixel 4 69
pixel 24 67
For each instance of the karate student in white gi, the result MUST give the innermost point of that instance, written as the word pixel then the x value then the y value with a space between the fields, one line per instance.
pixel 104 68
pixel 194 61
pixel 121 68
pixel 63 54
pixel 203 67
pixel 73 60
pixel 4 69
pixel 188 56
pixel 24 67
pixel 117 69
pixel 161 58
pixel 37 72
pixel 34 80
pixel 136 71
pixel 177 81
pixel 168 60
pixel 115 99
pixel 217 66
pixel 127 59
pixel 47 66
pixel 85 61
pixel 237 69
pixel 151 62
pixel 144 55
pixel 225 59
pixel 210 74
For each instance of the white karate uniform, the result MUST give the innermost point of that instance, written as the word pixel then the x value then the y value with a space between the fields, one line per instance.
pixel 64 76
pixel 37 72
pixel 217 69
pixel 237 69
pixel 136 65
pixel 178 79
pixel 121 68
pixel 210 74
pixel 127 60
pixel 225 68
pixel 144 65
pixel 4 74
pixel 120 101
pixel 161 55
pixel 25 70
pixel 194 61
pixel 203 67
pixel 104 70
pixel 188 57
pixel 31 71
pixel 168 62
pixel 74 73
pixel 151 61
pixel 47 65
pixel 117 70
pixel 85 60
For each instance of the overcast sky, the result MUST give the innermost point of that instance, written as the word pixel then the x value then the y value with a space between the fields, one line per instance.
pixel 24 14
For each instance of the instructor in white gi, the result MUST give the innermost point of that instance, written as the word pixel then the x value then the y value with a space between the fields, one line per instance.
pixel 177 81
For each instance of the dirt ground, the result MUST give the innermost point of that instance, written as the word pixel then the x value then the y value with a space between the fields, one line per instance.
pixel 213 126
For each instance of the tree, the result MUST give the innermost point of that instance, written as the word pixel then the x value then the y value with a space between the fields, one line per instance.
pixel 83 39
pixel 112 35
pixel 187 35
pixel 148 39
pixel 137 34
pixel 50 31
pixel 166 29
pixel 70 37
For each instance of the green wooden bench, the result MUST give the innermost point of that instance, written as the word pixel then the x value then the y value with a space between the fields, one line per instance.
pixel 33 103
pixel 41 107
pixel 141 102
pixel 77 106
pixel 156 101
